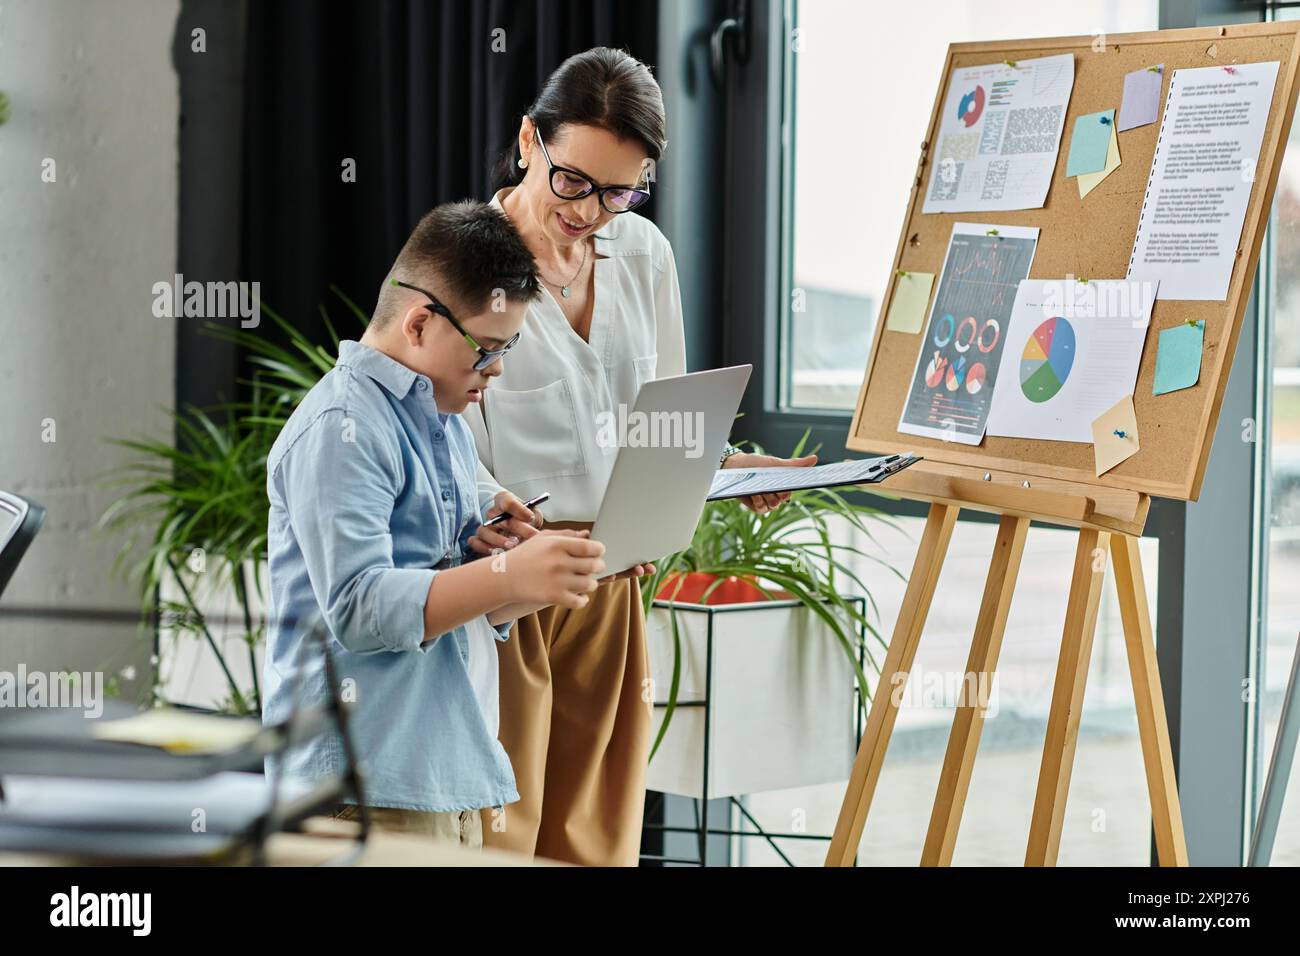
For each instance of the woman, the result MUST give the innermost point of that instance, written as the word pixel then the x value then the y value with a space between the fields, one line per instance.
pixel 575 689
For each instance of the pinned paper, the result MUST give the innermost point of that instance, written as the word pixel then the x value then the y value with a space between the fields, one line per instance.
pixel 981 158
pixel 179 731
pixel 1192 244
pixel 1090 143
pixel 1178 358
pixel 911 296
pixel 1115 435
pixel 1141 102
pixel 1089 181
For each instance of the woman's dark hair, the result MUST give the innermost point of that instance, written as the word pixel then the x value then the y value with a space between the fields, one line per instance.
pixel 602 87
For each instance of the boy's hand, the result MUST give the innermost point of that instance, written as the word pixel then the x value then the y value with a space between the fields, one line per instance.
pixel 520 526
pixel 554 568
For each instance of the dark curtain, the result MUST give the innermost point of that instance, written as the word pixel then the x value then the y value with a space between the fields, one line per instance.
pixel 412 90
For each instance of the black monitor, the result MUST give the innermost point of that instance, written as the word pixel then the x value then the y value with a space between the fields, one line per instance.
pixel 20 519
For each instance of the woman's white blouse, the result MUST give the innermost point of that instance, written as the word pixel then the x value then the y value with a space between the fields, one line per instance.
pixel 538 427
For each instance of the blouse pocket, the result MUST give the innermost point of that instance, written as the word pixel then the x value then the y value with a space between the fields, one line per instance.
pixel 534 433
pixel 644 369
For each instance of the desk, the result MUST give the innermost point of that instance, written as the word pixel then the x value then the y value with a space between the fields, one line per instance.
pixel 324 839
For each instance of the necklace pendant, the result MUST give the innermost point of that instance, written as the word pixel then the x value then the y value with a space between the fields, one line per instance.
pixel 564 291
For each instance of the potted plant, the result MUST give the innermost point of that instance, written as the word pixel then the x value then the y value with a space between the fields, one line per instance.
pixel 765 617
pixel 200 502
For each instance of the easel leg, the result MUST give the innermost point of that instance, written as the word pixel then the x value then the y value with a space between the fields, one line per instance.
pixel 893 677
pixel 1153 727
pixel 968 722
pixel 1067 698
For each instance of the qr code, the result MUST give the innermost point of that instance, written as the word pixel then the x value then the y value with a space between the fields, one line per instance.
pixel 995 179
pixel 945 180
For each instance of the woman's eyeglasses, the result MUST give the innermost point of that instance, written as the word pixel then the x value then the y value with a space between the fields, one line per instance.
pixel 571 184
pixel 485 356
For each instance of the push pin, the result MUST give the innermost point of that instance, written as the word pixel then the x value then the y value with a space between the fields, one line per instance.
pixel 991 232
pixel 1105 120
pixel 1197 323
pixel 1230 69
pixel 901 273
pixel 1119 433
pixel 1010 63
pixel 1155 69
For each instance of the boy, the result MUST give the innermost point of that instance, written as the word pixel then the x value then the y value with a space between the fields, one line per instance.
pixel 373 502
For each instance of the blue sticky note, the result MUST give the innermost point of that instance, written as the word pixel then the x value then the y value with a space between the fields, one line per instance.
pixel 1090 142
pixel 1141 98
pixel 1178 358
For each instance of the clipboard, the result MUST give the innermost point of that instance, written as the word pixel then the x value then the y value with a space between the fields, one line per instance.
pixel 743 482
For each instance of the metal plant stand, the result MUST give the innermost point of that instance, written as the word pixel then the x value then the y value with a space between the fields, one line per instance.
pixel 701 829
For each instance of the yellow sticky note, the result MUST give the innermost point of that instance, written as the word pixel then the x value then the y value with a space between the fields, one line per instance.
pixel 1089 181
pixel 911 296
pixel 1115 435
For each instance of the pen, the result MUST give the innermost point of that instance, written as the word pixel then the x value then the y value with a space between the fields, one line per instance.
pixel 530 504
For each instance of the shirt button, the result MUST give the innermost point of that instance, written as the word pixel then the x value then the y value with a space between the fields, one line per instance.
pixel 437 436
pixel 446 494
pixel 422 385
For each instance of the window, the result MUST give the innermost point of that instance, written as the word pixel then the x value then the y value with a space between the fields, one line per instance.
pixel 819 172
pixel 856 109
pixel 1281 528
pixel 861 84
pixel 1108 816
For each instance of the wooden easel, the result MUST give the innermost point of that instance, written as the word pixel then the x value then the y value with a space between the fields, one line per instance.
pixel 1108 521
pixel 1025 480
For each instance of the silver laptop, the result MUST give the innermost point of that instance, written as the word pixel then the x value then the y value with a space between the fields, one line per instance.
pixel 668 451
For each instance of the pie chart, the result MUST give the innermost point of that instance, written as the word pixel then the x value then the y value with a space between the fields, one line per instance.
pixel 935 370
pixel 1047 359
pixel 956 376
pixel 971 106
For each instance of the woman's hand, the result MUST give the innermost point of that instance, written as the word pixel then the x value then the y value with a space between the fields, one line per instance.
pixel 520 526
pixel 636 571
pixel 762 504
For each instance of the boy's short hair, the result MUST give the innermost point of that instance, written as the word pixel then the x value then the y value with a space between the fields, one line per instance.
pixel 467 251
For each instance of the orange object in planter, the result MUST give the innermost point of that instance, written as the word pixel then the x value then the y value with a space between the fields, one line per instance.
pixel 689 588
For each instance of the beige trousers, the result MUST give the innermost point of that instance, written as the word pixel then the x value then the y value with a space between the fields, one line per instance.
pixel 577 730
pixel 456 827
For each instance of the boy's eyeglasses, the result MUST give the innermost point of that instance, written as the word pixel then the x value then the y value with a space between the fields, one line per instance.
pixel 485 356
pixel 571 184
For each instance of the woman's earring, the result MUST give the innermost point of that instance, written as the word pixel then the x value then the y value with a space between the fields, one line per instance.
pixel 523 163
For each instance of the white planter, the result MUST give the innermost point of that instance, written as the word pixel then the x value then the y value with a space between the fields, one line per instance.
pixel 782 701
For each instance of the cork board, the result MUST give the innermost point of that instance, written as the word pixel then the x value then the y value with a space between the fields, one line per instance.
pixel 1093 238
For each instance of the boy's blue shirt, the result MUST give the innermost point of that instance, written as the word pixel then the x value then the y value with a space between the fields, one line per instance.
pixel 372 493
